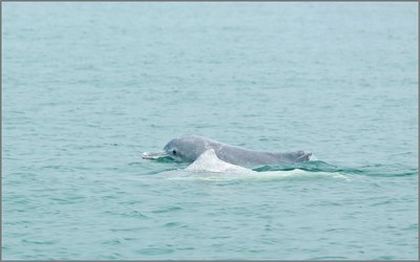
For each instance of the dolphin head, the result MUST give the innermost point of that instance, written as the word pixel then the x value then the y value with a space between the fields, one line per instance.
pixel 186 148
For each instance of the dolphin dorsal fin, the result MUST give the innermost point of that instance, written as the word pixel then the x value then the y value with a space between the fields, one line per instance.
pixel 208 161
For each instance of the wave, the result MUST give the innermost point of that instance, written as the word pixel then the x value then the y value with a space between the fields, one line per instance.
pixel 381 170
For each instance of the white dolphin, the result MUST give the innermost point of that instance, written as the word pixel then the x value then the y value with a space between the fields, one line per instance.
pixel 189 148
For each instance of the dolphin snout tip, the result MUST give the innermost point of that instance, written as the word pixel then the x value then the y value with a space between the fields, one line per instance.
pixel 154 156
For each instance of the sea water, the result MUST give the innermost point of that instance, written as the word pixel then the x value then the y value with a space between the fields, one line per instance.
pixel 88 87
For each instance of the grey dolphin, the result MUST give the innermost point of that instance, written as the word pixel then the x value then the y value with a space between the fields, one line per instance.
pixel 188 148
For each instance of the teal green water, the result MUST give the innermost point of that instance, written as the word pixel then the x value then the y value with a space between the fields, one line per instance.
pixel 88 87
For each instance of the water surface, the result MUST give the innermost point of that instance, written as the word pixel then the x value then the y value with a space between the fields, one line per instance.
pixel 88 87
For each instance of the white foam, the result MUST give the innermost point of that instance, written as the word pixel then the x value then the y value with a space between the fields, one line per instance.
pixel 296 174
